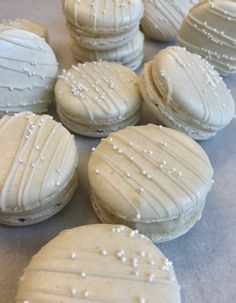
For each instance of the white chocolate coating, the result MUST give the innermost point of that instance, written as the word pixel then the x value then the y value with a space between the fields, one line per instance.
pixel 153 174
pixel 28 70
pixel 125 54
pixel 98 94
pixel 100 42
pixel 26 25
pixel 103 16
pixel 186 93
pixel 209 30
pixel 38 161
pixel 99 263
pixel 163 18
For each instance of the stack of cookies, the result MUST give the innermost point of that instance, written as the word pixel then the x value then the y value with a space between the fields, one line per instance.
pixel 105 30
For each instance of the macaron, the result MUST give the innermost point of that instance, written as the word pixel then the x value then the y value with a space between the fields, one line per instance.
pixel 27 25
pixel 96 98
pixel 209 30
pixel 150 178
pixel 162 18
pixel 185 93
pixel 38 168
pixel 100 42
pixel 102 16
pixel 129 54
pixel 99 263
pixel 28 68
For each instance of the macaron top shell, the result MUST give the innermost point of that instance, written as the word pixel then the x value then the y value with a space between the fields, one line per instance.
pixel 98 92
pixel 103 16
pixel 149 173
pixel 99 263
pixel 28 68
pixel 37 157
pixel 188 82
pixel 26 25
pixel 162 18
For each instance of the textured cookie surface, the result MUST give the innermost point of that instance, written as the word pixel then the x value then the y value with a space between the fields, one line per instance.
pixel 162 18
pixel 99 263
pixel 103 16
pixel 28 70
pixel 38 158
pixel 188 92
pixel 98 93
pixel 26 25
pixel 152 173
pixel 209 30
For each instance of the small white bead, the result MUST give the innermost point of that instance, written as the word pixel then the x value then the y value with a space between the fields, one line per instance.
pixel 73 256
pixel 74 291
pixel 142 300
pixel 104 252
pixel 97 172
pixel 93 149
pixel 86 294
pixel 83 274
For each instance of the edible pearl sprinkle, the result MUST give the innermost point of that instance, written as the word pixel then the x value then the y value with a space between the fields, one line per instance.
pixel 83 274
pixel 73 256
pixel 104 252
pixel 86 294
pixel 74 291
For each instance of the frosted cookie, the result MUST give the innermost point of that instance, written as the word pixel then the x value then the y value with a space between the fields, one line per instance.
pixel 96 98
pixel 99 263
pixel 100 42
pixel 26 25
pixel 209 30
pixel 38 168
pixel 162 18
pixel 28 69
pixel 125 54
pixel 102 16
pixel 186 93
pixel 151 178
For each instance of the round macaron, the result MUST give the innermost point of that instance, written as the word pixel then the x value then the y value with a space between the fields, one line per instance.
pixel 99 263
pixel 102 16
pixel 38 168
pixel 209 30
pixel 130 54
pixel 162 18
pixel 26 25
pixel 150 178
pixel 96 98
pixel 186 93
pixel 28 68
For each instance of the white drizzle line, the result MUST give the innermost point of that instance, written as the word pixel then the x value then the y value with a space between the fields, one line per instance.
pixel 19 153
pixel 90 80
pixel 23 45
pixel 189 166
pixel 120 193
pixel 121 173
pixel 188 191
pixel 98 274
pixel 34 138
pixel 198 86
pixel 61 142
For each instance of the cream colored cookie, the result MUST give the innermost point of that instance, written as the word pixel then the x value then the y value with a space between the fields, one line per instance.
pixel 28 68
pixel 209 30
pixel 162 18
pixel 26 25
pixel 151 178
pixel 123 55
pixel 99 263
pixel 96 98
pixel 103 16
pixel 38 168
pixel 100 42
pixel 186 93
